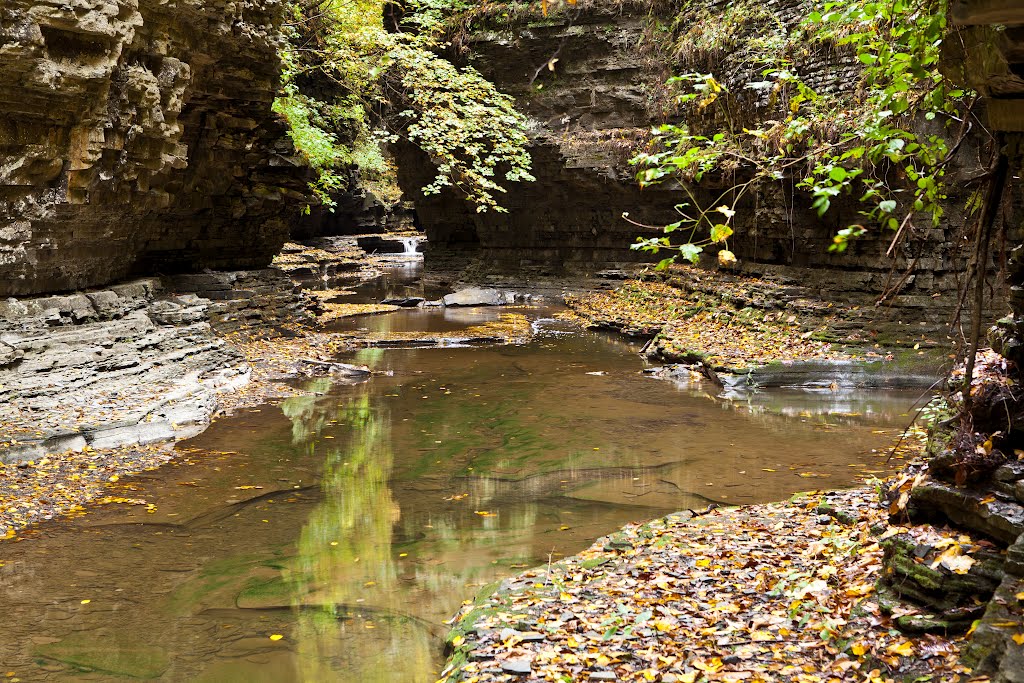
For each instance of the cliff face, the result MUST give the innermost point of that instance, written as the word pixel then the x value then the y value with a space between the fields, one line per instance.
pixel 588 110
pixel 591 81
pixel 136 136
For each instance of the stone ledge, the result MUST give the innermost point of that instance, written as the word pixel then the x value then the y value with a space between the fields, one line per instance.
pixel 130 364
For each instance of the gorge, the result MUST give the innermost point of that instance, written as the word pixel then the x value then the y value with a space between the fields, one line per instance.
pixel 154 292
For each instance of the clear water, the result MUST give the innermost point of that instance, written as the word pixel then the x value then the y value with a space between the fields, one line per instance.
pixel 353 522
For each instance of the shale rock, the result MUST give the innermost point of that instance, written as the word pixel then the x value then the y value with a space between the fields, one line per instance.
pixel 999 519
pixel 137 136
pixel 140 362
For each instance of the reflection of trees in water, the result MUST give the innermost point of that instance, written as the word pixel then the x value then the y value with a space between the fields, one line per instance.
pixel 309 414
pixel 345 558
pixel 359 515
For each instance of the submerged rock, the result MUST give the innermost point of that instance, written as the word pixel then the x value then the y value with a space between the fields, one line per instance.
pixel 405 301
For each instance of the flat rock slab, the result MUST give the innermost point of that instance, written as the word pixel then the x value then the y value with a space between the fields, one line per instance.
pixel 519 667
pixel 481 296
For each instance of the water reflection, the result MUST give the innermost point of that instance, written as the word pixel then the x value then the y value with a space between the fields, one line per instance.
pixel 353 521
pixel 344 580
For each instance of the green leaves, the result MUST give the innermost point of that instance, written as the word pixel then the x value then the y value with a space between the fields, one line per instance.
pixel 863 142
pixel 719 232
pixel 690 252
pixel 468 128
pixel 471 132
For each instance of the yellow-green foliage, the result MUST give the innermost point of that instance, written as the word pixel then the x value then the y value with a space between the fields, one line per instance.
pixel 471 132
pixel 868 138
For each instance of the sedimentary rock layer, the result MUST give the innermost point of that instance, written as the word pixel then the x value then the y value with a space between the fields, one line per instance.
pixel 136 136
pixel 138 362
pixel 591 81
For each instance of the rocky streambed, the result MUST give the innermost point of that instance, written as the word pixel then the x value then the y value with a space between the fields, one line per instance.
pixel 360 491
pixel 449 424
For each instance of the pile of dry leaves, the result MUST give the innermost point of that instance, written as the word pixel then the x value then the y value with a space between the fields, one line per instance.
pixel 697 325
pixel 778 592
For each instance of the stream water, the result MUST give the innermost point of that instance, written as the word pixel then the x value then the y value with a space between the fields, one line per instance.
pixel 353 521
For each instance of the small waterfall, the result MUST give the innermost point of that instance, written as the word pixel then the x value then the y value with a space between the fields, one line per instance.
pixel 410 244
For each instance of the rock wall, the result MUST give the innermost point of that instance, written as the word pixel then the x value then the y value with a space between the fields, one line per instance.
pixel 587 115
pixel 598 101
pixel 136 137
pixel 138 362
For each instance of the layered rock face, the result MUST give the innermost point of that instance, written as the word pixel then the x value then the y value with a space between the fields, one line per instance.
pixel 587 113
pixel 138 362
pixel 591 81
pixel 136 136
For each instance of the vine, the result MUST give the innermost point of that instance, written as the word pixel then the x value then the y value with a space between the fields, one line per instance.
pixel 886 143
pixel 342 69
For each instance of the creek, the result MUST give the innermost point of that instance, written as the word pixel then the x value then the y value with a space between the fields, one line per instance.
pixel 328 536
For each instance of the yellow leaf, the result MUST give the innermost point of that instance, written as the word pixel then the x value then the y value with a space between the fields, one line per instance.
pixel 1018 638
pixel 860 589
pixel 458 640
pixel 276 636
pixel 960 564
pixel 904 648
pixel 858 649
pixel 86 602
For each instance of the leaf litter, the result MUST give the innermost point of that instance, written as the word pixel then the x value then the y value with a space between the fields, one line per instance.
pixel 776 592
pixel 696 324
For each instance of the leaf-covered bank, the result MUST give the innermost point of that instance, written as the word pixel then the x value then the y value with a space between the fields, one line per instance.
pixel 734 323
pixel 778 592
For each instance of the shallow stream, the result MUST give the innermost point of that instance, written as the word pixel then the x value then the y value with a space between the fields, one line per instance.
pixel 327 537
